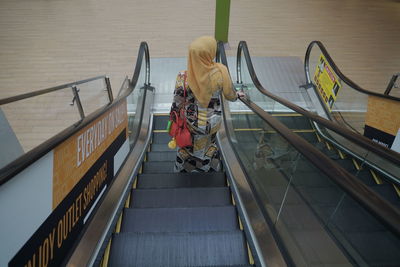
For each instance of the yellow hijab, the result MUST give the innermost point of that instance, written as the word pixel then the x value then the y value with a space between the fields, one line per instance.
pixel 200 66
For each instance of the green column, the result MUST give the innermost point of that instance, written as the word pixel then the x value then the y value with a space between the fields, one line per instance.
pixel 222 20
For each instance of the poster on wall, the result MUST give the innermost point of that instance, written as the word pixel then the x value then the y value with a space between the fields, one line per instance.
pixel 83 168
pixel 382 122
pixel 326 82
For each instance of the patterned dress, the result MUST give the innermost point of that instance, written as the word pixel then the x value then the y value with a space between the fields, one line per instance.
pixel 203 123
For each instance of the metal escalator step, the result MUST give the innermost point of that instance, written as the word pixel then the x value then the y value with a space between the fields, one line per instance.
pixel 350 216
pixel 378 248
pixel 177 180
pixel 160 122
pixel 311 178
pixel 158 167
pixel 365 176
pixel 199 219
pixel 321 196
pixel 295 122
pixel 161 138
pixel 276 194
pixel 347 164
pixel 301 165
pixel 161 147
pixel 161 156
pixel 180 197
pixel 388 192
pixel 310 137
pixel 178 249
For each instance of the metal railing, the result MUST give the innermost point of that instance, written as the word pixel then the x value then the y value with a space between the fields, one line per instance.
pixel 75 90
pixel 19 164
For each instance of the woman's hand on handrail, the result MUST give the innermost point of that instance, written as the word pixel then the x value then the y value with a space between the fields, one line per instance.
pixel 240 94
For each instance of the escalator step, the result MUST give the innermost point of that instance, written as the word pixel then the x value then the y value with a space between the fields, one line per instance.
pixel 347 164
pixel 160 122
pixel 277 194
pixel 161 147
pixel 200 219
pixel 178 249
pixel 321 196
pixel 350 216
pixel 176 180
pixel 158 167
pixel 295 122
pixel 365 176
pixel 301 165
pixel 387 192
pixel 310 137
pixel 161 138
pixel 380 248
pixel 311 179
pixel 180 197
pixel 161 156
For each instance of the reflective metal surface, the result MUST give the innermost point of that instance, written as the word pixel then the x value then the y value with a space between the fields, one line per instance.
pixel 265 246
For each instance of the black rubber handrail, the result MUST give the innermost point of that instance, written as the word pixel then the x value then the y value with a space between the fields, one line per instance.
pixel 335 68
pixel 358 139
pixel 19 164
pixel 348 182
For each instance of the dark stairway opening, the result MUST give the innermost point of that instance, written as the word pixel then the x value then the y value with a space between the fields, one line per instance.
pixel 178 219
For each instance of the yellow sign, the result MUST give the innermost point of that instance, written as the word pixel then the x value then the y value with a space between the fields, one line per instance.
pixel 327 83
pixel 76 155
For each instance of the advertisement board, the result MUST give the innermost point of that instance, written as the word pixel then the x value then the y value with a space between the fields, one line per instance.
pixel 326 82
pixel 382 122
pixel 83 167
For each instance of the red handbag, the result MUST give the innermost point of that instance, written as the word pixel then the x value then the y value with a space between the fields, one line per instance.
pixel 179 129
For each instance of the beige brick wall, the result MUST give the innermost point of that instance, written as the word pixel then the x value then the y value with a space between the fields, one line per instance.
pixel 47 43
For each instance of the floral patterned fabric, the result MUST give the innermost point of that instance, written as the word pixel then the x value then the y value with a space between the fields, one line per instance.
pixel 203 123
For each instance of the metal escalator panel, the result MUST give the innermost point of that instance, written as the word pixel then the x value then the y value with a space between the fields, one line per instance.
pixel 375 171
pixel 177 219
pixel 317 221
pixel 384 162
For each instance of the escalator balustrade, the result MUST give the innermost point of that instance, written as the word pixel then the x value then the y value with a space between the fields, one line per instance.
pixel 302 126
pixel 311 200
pixel 178 219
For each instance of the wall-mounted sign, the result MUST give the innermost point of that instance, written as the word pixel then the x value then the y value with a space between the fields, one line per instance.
pixel 326 82
pixel 83 167
pixel 382 122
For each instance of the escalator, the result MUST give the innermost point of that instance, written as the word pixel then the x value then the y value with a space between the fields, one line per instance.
pixel 281 199
pixel 313 211
pixel 361 237
pixel 304 200
pixel 301 125
pixel 178 219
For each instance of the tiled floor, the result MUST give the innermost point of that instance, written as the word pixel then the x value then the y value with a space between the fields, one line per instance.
pixel 47 43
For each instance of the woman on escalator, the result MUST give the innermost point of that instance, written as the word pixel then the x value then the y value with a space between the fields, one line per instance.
pixel 197 91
